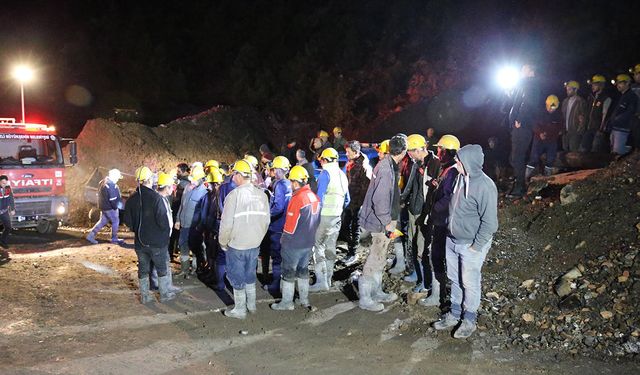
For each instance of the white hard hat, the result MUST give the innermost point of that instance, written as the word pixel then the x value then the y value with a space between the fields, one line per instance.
pixel 115 175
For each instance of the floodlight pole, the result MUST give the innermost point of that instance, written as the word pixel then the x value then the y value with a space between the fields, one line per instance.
pixel 22 100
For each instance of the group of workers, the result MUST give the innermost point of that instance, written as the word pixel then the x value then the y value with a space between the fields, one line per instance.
pixel 438 208
pixel 596 124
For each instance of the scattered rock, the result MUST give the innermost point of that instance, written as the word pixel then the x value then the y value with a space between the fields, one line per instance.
pixel 527 283
pixel 528 317
pixel 606 314
pixel 568 195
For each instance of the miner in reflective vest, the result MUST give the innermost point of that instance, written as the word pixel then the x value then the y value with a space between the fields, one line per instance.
pixel 333 191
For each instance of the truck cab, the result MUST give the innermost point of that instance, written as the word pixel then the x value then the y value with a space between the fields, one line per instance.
pixel 31 156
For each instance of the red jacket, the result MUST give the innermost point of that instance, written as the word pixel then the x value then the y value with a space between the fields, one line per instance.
pixel 303 217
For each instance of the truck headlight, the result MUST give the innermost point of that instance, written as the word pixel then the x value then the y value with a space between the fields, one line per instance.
pixel 61 210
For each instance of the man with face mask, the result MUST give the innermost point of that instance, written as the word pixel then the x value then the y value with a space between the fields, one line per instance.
pixel 473 220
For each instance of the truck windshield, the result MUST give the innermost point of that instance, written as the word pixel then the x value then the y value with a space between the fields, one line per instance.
pixel 29 149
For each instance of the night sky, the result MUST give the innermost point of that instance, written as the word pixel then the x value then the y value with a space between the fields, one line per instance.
pixel 329 62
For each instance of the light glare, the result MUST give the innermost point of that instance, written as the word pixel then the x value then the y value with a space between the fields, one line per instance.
pixel 508 77
pixel 23 74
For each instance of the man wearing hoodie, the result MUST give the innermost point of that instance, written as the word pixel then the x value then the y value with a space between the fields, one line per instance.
pixel 379 215
pixel 473 220
pixel 109 202
pixel 333 191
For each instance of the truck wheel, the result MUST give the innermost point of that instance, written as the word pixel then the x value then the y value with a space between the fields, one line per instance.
pixel 47 226
pixel 53 227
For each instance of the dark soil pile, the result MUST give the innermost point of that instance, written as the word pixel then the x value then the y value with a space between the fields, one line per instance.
pixel 221 133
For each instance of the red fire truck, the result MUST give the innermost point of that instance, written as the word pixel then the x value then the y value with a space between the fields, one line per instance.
pixel 31 156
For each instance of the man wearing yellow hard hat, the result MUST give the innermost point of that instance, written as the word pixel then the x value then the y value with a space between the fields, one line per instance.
pixel 635 87
pixel 145 213
pixel 545 138
pixel 574 111
pixel 338 142
pixel 188 241
pixel 110 203
pixel 623 116
pixel 598 105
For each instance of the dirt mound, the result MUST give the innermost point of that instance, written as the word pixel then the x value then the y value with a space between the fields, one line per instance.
pixel 221 133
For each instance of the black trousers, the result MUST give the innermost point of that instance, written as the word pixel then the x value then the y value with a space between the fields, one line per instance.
pixel 353 229
pixel 6 223
pixel 520 143
pixel 146 255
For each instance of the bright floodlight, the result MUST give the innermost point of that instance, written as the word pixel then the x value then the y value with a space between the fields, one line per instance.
pixel 508 77
pixel 22 73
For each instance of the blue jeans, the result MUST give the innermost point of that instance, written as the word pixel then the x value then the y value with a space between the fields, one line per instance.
pixel 241 266
pixel 183 244
pixel 107 216
pixel 619 142
pixel 158 255
pixel 295 264
pixel 464 271
pixel 539 148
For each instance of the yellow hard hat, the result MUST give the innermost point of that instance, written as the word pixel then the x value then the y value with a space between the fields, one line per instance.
pixel 281 162
pixel 212 163
pixel 252 160
pixel 552 101
pixel 216 175
pixel 329 154
pixel 598 78
pixel 622 78
pixel 635 69
pixel 197 173
pixel 143 174
pixel 384 147
pixel 416 141
pixel 165 179
pixel 298 173
pixel 323 133
pixel 337 129
pixel 449 142
pixel 572 84
pixel 243 167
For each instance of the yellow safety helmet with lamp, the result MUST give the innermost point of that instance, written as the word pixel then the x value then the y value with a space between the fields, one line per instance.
pixel 252 160
pixel 337 129
pixel 281 162
pixel 298 173
pixel 572 84
pixel 323 133
pixel 621 78
pixel 243 167
pixel 449 142
pixel 329 154
pixel 143 174
pixel 598 78
pixel 197 173
pixel 416 141
pixel 215 175
pixel 635 69
pixel 552 101
pixel 165 179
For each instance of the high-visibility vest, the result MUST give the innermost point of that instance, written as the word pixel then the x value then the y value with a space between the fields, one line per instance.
pixel 333 199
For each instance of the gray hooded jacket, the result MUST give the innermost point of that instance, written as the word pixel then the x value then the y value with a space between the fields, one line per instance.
pixel 473 211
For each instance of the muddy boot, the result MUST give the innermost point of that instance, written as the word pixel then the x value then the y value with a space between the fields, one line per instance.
pixel 163 284
pixel 251 297
pixel 548 171
pixel 377 294
pixel 153 279
pixel 434 298
pixel 172 288
pixel 446 321
pixel 145 294
pixel 239 310
pixel 184 269
pixel 466 329
pixel 330 264
pixel 286 303
pixel 303 292
pixel 365 286
pixel 321 278
pixel 529 172
pixel 400 265
pixel 194 265
pixel 91 237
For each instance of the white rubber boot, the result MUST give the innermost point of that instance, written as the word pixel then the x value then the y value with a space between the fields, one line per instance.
pixel 251 297
pixel 377 294
pixel 303 292
pixel 330 265
pixel 365 286
pixel 400 263
pixel 239 310
pixel 286 303
pixel 145 294
pixel 434 298
pixel 164 284
pixel 321 278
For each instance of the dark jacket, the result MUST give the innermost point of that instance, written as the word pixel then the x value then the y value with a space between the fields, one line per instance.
pixel 176 198
pixel 109 195
pixel 527 102
pixel 302 220
pixel 622 116
pixel 206 215
pixel 443 193
pixel 549 127
pixel 7 202
pixel 574 122
pixel 414 193
pixel 382 202
pixel 358 181
pixel 313 184
pixel 599 106
pixel 473 211
pixel 278 204
pixel 146 215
